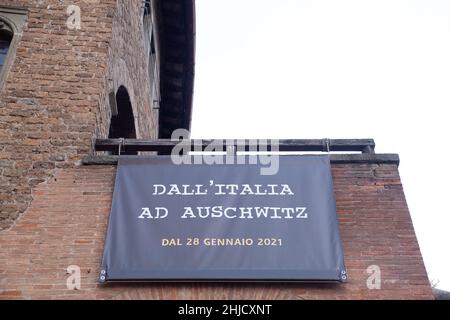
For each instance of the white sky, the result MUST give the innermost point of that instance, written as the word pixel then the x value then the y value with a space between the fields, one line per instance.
pixel 303 69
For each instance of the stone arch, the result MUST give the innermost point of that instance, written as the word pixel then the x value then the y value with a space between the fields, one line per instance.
pixel 11 26
pixel 6 38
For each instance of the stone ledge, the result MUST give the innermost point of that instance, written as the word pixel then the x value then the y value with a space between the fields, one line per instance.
pixel 368 158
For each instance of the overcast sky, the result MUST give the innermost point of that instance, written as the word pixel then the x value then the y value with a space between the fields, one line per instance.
pixel 303 69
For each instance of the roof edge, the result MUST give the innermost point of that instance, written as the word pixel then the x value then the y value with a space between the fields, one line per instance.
pixel 178 28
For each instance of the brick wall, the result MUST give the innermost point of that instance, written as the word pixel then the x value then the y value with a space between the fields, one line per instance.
pixel 66 224
pixel 127 66
pixel 55 99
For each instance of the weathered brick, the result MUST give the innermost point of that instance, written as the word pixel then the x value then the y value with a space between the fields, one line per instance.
pixel 55 100
pixel 67 221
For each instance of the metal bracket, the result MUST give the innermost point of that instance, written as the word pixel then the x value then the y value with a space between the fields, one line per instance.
pixel 121 144
pixel 156 104
pixel 326 145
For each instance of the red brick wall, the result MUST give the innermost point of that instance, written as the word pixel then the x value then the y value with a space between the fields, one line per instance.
pixel 127 66
pixel 66 223
pixel 55 99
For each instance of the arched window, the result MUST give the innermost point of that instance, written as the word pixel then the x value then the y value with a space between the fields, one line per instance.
pixel 6 36
pixel 12 22
pixel 122 124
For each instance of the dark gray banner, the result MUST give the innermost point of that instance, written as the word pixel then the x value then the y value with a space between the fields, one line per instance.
pixel 223 222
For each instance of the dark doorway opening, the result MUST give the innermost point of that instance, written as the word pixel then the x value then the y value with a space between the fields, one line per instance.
pixel 122 123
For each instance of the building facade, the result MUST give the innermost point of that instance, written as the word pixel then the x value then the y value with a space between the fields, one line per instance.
pixel 75 71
